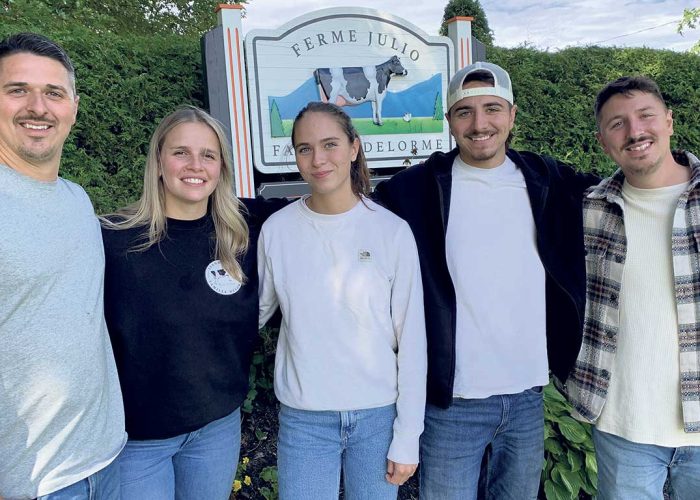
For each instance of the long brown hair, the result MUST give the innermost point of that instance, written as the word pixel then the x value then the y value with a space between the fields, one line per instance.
pixel 359 173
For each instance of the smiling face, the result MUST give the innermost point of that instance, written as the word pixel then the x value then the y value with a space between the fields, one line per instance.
pixel 481 125
pixel 635 130
pixel 324 155
pixel 190 160
pixel 37 110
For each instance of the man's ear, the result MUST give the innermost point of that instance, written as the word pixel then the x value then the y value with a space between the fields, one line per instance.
pixel 76 101
pixel 599 138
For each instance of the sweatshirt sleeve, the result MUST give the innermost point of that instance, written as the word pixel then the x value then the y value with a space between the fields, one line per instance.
pixel 266 290
pixel 409 327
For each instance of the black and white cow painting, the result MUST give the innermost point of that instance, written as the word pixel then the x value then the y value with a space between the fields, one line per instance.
pixel 354 85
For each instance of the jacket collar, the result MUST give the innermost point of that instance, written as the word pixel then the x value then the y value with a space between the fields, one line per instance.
pixel 441 163
pixel 534 172
pixel 536 179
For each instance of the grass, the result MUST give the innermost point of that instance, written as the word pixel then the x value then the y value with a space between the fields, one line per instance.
pixel 365 126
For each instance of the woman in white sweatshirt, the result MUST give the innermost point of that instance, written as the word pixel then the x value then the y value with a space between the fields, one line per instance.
pixel 350 367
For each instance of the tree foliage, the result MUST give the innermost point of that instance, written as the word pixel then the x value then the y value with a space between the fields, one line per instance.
pixel 129 80
pixel 126 85
pixel 690 20
pixel 124 17
pixel 555 93
pixel 480 25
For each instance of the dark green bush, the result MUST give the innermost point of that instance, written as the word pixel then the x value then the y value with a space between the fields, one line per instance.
pixel 555 93
pixel 128 83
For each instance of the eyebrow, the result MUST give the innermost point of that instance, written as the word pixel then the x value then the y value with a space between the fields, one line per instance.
pixel 57 87
pixel 26 84
pixel 619 116
pixel 485 105
pixel 325 139
pixel 184 146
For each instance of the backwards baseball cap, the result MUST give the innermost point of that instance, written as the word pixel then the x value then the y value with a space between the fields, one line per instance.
pixel 501 83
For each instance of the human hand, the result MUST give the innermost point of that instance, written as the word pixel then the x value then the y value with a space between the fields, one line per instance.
pixel 397 473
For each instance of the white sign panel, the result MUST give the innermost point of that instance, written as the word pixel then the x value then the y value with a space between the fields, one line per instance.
pixel 385 72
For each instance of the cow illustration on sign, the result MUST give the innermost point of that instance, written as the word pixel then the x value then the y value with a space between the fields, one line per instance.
pixel 350 86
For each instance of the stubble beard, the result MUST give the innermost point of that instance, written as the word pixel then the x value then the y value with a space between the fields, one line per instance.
pixel 37 155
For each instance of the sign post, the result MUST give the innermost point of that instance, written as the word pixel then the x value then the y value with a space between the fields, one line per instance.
pixel 386 73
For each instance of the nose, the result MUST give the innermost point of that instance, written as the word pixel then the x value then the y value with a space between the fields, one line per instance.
pixel 479 120
pixel 319 157
pixel 36 104
pixel 196 163
pixel 635 128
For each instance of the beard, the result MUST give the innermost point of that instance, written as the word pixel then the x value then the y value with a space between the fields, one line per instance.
pixel 36 154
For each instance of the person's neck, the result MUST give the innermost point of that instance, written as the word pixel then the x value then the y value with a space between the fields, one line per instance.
pixel 494 162
pixel 669 174
pixel 185 213
pixel 42 173
pixel 331 204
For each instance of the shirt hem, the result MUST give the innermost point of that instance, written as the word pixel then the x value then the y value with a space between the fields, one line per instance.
pixel 47 488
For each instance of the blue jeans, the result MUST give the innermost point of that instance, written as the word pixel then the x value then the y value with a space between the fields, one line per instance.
pixel 199 465
pixel 500 438
pixel 635 471
pixel 102 485
pixel 314 445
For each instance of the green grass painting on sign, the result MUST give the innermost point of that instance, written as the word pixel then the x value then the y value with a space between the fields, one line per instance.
pixel 365 126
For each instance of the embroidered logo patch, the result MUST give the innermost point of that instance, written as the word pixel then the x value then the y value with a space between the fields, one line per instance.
pixel 365 256
pixel 219 280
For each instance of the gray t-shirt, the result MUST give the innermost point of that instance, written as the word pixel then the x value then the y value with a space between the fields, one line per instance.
pixel 61 413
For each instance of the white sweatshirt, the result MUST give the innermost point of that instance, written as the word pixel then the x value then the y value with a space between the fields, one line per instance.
pixel 353 330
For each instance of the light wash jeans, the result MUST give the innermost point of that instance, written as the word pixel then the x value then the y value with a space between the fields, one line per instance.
pixel 313 446
pixel 635 471
pixel 493 447
pixel 199 465
pixel 102 485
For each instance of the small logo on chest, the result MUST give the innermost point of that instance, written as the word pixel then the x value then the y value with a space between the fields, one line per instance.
pixel 219 280
pixel 365 256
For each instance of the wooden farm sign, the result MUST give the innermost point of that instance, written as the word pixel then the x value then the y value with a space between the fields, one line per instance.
pixel 386 73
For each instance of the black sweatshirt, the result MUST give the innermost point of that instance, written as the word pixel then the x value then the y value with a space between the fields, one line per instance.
pixel 182 349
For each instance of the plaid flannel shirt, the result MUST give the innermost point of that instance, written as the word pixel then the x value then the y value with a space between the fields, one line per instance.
pixel 606 245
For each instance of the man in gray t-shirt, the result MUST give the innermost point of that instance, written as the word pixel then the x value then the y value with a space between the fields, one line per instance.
pixel 61 414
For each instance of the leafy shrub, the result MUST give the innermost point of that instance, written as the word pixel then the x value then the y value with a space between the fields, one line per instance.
pixel 128 83
pixel 555 93
pixel 570 469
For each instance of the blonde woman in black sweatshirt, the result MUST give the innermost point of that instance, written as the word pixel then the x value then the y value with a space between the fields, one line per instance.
pixel 181 302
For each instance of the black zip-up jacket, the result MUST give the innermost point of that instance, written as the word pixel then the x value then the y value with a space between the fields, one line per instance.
pixel 421 196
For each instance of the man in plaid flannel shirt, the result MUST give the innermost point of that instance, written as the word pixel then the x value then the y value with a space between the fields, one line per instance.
pixel 637 376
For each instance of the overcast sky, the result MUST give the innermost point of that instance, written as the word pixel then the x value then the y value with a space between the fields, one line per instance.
pixel 545 25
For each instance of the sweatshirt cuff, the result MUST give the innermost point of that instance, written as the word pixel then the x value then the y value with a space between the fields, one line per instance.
pixel 404 449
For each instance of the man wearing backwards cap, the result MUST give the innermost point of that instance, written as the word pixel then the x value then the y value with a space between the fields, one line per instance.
pixel 499 234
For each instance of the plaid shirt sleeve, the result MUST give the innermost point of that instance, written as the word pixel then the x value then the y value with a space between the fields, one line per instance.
pixel 605 245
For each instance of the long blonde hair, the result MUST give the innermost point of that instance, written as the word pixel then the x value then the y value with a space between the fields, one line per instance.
pixel 226 210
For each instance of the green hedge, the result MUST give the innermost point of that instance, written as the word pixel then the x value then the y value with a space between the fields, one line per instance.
pixel 127 84
pixel 555 93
